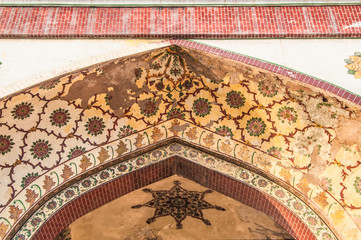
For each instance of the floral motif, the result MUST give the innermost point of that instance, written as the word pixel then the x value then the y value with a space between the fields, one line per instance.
pixel 224 131
pixel 255 126
pixel 107 98
pixel 20 237
pixel 35 221
pixel 201 107
pixel 84 163
pixel 29 178
pixel 298 206
pixel 149 108
pixel 175 71
pixel 76 152
pixel 287 114
pixel 209 140
pixel 188 84
pixel 15 212
pixel 69 193
pixel 49 84
pixel 52 205
pixel 325 184
pixel 357 185
pixel 275 151
pixel 31 196
pixel 175 147
pixel 312 220
pixel 175 113
pixel 210 160
pixel 121 148
pixel 156 66
pixel 267 88
pixel 104 175
pixel 95 126
pixel 122 168
pixel 327 236
pixel 140 161
pixel 159 86
pixel 59 117
pixel 6 144
pixel 235 99
pixel 41 149
pixel 126 130
pixel 192 133
pixel 193 154
pixel 279 193
pixel 86 183
pixel 244 175
pixel 157 153
pixel 354 65
pixel 262 183
pixel 22 110
pixel 138 73
pixel 48 183
pixel 103 155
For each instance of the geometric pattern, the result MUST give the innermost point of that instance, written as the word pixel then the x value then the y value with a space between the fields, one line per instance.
pixel 66 127
pixel 282 195
pixel 178 203
pixel 196 21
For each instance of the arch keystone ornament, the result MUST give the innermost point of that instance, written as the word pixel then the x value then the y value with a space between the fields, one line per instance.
pixel 219 119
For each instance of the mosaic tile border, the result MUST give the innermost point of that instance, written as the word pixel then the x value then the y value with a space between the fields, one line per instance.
pixel 299 208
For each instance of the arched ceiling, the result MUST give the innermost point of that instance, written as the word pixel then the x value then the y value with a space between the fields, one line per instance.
pixel 298 134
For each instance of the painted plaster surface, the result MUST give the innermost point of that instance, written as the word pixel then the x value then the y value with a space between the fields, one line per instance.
pixel 116 220
pixel 311 56
pixel 311 219
pixel 70 124
pixel 27 62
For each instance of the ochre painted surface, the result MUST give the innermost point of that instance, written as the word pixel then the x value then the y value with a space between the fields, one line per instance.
pixel 68 125
pixel 117 220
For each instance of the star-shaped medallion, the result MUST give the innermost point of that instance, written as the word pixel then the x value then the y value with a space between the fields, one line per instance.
pixel 178 203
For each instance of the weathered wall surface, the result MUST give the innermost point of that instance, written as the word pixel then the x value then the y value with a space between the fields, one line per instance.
pixel 299 134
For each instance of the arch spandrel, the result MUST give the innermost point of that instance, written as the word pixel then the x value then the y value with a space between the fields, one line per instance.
pixel 289 131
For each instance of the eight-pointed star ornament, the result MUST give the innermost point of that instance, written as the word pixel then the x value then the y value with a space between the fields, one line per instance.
pixel 178 203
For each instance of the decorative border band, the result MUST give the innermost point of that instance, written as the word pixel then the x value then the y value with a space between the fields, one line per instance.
pixel 286 198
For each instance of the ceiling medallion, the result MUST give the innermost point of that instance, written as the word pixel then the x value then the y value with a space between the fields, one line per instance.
pixel 178 203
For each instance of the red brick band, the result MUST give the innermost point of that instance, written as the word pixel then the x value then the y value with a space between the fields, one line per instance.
pixel 174 165
pixel 181 22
